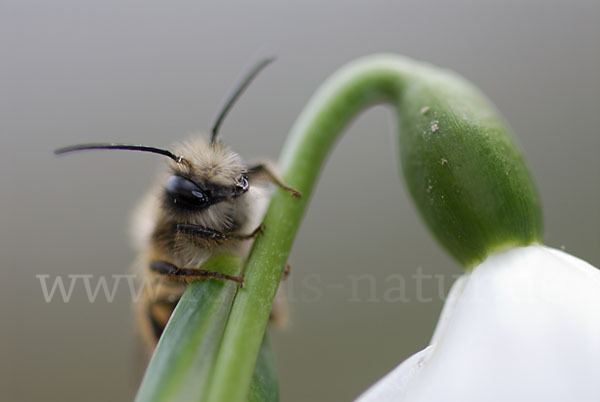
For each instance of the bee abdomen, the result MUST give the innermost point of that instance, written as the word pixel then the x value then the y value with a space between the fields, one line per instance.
pixel 158 313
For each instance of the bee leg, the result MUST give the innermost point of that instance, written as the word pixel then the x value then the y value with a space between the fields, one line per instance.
pixel 265 168
pixel 215 234
pixel 170 270
pixel 279 315
pixel 286 271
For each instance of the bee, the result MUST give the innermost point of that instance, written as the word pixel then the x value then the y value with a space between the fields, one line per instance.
pixel 206 200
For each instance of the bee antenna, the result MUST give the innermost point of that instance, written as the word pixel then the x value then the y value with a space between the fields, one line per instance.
pixel 233 96
pixel 127 147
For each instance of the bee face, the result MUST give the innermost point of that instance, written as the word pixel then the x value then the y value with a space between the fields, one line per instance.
pixel 211 174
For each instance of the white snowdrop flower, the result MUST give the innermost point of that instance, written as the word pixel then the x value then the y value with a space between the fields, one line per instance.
pixel 524 325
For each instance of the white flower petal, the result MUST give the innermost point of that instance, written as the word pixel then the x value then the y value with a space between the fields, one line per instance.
pixel 393 386
pixel 523 326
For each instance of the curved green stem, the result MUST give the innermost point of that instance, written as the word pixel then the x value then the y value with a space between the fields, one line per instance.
pixel 310 141
pixel 465 174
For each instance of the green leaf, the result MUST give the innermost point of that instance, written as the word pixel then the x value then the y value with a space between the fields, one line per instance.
pixel 264 386
pixel 182 363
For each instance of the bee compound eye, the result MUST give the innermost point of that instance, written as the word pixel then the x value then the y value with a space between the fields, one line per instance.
pixel 184 193
pixel 242 184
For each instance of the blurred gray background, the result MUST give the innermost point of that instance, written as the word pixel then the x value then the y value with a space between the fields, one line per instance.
pixel 154 71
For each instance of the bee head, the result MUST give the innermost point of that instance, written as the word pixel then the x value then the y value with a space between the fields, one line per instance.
pixel 206 174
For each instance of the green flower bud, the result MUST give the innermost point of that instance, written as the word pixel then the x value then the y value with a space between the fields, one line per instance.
pixel 462 168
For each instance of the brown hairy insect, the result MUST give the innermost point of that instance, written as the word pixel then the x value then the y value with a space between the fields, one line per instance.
pixel 206 200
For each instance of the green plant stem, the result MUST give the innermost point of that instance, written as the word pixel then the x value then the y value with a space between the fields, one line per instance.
pixel 409 87
pixel 304 154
